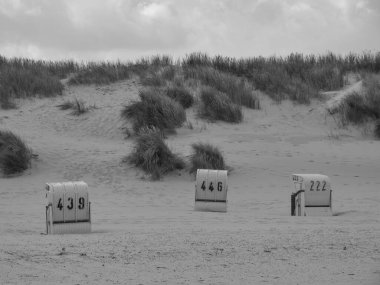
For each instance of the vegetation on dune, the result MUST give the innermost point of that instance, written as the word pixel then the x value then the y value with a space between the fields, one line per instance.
pixel 153 155
pixel 101 73
pixel 377 129
pixel 6 102
pixel 152 79
pixel 154 110
pixel 58 69
pixel 78 106
pixel 237 89
pixel 206 156
pixel 361 107
pixel 297 77
pixel 66 105
pixel 148 65
pixel 15 155
pixel 181 95
pixel 218 106
pixel 18 81
pixel 158 76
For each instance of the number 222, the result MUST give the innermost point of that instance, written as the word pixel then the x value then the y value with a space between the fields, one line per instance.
pixel 318 183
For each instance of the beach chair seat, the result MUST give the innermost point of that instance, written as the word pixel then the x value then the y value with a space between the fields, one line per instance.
pixel 68 208
pixel 313 196
pixel 211 190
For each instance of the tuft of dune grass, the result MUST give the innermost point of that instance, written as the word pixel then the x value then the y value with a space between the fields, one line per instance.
pixel 78 107
pixel 218 106
pixel 359 107
pixel 101 73
pixel 206 156
pixel 180 95
pixel 6 101
pixel 354 109
pixel 237 89
pixel 22 82
pixel 153 155
pixel 15 155
pixel 377 129
pixel 154 110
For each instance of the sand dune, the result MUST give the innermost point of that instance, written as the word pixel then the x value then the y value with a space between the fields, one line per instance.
pixel 146 232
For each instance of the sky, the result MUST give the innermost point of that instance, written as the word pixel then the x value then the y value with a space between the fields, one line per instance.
pixel 89 30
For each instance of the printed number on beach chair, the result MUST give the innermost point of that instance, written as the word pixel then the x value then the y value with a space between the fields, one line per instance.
pixel 211 190
pixel 313 196
pixel 68 209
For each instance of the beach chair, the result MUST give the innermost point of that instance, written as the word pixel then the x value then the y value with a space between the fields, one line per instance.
pixel 211 190
pixel 68 208
pixel 313 196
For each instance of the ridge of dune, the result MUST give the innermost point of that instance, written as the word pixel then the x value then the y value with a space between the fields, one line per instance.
pixel 336 100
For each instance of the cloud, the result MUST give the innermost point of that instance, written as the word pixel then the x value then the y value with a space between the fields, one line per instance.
pixel 95 29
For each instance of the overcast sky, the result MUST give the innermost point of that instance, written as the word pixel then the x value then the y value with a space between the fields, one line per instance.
pixel 128 29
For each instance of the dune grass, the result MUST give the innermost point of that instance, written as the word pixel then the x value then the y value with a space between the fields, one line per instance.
pixel 216 105
pixel 25 78
pixel 360 107
pixel 154 110
pixel 237 89
pixel 78 107
pixel 15 155
pixel 354 109
pixel 206 156
pixel 153 155
pixel 181 95
pixel 101 73
pixel 6 102
pixel 377 129
pixel 66 105
pixel 19 82
pixel 297 77
pixel 158 76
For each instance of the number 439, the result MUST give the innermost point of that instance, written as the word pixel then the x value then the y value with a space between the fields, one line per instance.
pixel 70 205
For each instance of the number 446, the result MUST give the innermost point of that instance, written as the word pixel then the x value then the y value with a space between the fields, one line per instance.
pixel 211 186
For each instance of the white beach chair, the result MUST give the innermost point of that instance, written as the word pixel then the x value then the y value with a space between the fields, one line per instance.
pixel 313 196
pixel 211 190
pixel 68 209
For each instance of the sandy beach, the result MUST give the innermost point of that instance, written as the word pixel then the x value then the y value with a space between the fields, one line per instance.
pixel 147 232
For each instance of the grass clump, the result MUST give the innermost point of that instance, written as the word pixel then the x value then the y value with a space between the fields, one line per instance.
pixel 6 102
pixel 18 82
pixel 360 107
pixel 66 105
pixel 206 156
pixel 78 107
pixel 101 73
pixel 218 106
pixel 181 95
pixel 15 155
pixel 153 155
pixel 154 110
pixel 153 79
pixel 377 129
pixel 158 76
pixel 237 89
pixel 354 109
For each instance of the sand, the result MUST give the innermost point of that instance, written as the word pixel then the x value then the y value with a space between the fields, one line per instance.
pixel 146 232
